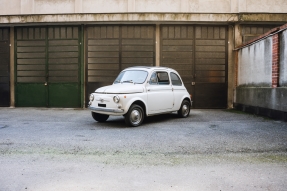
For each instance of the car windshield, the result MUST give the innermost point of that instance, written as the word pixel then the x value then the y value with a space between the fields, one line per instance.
pixel 131 76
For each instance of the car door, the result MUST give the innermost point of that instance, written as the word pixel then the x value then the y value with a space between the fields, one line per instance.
pixel 160 93
pixel 178 89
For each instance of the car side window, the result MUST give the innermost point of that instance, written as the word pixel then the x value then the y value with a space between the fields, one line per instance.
pixel 159 78
pixel 175 80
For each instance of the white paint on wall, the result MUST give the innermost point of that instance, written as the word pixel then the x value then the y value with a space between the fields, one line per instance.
pixel 105 6
pixel 283 60
pixel 54 6
pixel 21 7
pixel 255 64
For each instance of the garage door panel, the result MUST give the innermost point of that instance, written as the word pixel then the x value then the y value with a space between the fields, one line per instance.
pixel 210 61
pixel 137 42
pixel 63 60
pixel 210 48
pixel 34 79
pixel 111 49
pixel 177 48
pixel 31 61
pixel 103 48
pixel 103 60
pixel 137 61
pixel 63 48
pixel 178 55
pixel 104 42
pixel 103 66
pixel 63 42
pixel 47 56
pixel 31 95
pixel 31 49
pixel 198 53
pixel 137 48
pixel 58 95
pixel 103 54
pixel 31 43
pixel 210 42
pixel 213 55
pixel 211 94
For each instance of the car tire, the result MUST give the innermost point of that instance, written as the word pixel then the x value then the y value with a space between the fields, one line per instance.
pixel 135 116
pixel 100 117
pixel 184 110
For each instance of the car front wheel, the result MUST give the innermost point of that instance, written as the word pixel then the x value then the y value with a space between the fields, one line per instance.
pixel 134 116
pixel 100 117
pixel 184 109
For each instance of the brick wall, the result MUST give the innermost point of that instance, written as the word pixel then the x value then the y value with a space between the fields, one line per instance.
pixel 275 60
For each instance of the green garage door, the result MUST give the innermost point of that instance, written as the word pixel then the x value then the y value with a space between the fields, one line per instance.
pixel 48 67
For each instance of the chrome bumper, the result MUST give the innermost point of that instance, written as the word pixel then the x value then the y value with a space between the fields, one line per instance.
pixel 106 109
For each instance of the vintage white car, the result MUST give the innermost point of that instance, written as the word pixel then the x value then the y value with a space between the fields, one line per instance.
pixel 139 92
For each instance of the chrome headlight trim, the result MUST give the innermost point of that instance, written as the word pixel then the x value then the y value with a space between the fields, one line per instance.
pixel 92 97
pixel 116 99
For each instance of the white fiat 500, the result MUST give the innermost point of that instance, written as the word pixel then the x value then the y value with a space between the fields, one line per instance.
pixel 139 92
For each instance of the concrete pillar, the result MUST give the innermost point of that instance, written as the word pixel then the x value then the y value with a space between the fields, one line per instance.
pixel 12 69
pixel 237 35
pixel 231 67
pixel 157 45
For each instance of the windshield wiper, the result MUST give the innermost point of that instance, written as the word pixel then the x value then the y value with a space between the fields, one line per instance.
pixel 129 81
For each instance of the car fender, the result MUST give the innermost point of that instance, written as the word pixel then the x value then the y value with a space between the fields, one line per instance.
pixel 133 100
pixel 181 100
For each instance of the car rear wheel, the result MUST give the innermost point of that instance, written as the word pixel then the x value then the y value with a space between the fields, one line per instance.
pixel 134 116
pixel 100 117
pixel 184 109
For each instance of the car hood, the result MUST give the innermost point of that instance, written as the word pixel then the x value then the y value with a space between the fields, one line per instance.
pixel 121 89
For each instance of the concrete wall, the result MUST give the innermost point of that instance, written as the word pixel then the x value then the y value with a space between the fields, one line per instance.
pixel 283 61
pixel 255 88
pixel 255 64
pixel 21 7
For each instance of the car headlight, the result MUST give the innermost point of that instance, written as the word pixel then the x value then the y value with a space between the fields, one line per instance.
pixel 91 97
pixel 116 99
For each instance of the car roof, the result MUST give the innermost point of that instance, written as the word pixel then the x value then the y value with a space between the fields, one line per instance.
pixel 148 68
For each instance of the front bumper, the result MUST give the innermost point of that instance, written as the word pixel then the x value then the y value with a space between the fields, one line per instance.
pixel 108 110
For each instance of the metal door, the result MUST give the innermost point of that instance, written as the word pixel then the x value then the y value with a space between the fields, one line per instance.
pixel 4 67
pixel 48 67
pixel 113 48
pixel 199 54
pixel 210 73
pixel 177 51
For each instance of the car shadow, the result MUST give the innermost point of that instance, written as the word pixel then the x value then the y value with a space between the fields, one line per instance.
pixel 119 121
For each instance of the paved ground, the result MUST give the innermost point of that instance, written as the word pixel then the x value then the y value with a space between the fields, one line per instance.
pixel 65 149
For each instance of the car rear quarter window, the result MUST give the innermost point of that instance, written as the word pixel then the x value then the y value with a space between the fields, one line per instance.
pixel 175 79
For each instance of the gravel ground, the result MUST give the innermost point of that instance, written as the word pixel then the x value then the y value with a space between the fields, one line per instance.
pixel 65 149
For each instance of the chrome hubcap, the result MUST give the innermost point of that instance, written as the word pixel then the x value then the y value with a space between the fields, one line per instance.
pixel 185 110
pixel 135 117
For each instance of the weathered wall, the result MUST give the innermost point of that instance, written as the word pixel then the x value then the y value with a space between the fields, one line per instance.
pixel 255 86
pixel 18 7
pixel 283 61
pixel 271 98
pixel 255 64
